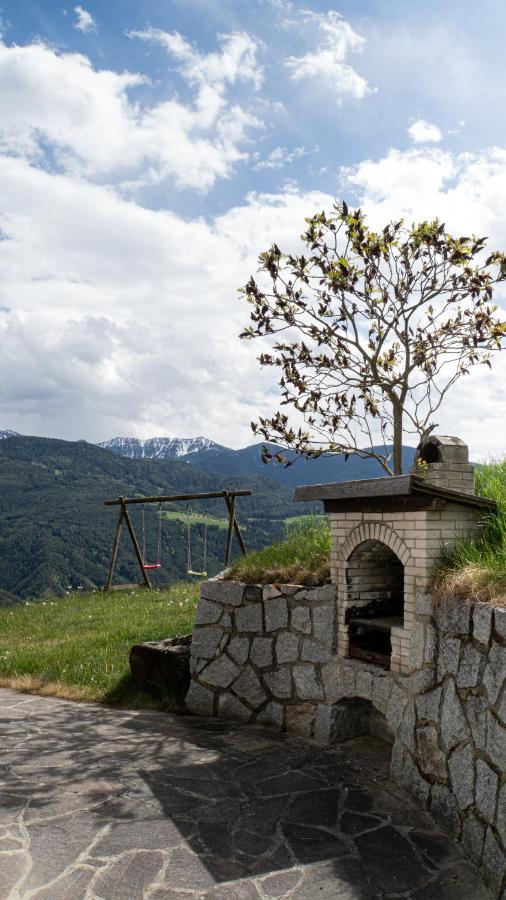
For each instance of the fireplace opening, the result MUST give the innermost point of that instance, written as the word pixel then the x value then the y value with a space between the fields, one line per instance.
pixel 429 452
pixel 354 717
pixel 375 582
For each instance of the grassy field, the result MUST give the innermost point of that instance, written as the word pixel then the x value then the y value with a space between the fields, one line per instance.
pixel 77 646
pixel 477 568
pixel 196 519
pixel 300 558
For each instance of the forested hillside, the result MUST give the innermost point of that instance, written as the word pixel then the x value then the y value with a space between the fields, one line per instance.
pixel 56 535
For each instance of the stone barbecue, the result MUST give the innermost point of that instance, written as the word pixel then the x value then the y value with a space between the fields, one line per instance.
pixel 387 534
pixel 368 653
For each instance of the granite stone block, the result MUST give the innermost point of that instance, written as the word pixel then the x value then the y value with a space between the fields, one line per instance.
pixel 206 640
pixel 487 788
pixel 272 714
pixel 469 668
pixel 476 713
pixel 279 683
pixel 199 700
pixel 301 619
pixel 227 592
pixel 287 648
pixel 207 612
pixel 473 835
pixel 238 649
pixel 313 651
pixel 482 623
pixel 494 675
pixel 323 623
pixel 308 685
pixel 249 618
pixel 248 688
pixel 427 705
pixel 454 616
pixel 331 675
pixel 432 760
pixel 416 653
pixel 261 652
pixel 276 613
pixel 461 766
pixel 220 673
pixel 430 643
pixel 229 707
pixel 500 623
pixel 496 742
pixel 226 620
pixel 323 724
pixel 454 727
pixel 449 655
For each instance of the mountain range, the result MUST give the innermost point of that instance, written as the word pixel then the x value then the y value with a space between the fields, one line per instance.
pixel 215 458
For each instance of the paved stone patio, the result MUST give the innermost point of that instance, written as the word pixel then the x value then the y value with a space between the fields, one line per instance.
pixel 100 803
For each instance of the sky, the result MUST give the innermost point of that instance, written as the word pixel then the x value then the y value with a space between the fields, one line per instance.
pixel 151 149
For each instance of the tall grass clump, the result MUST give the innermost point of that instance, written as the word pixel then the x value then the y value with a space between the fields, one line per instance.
pixel 476 568
pixel 303 557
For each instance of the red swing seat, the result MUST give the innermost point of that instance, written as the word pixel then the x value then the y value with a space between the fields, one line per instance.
pixel 152 565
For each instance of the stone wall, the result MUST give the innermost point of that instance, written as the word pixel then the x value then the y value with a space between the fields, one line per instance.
pixel 269 654
pixel 450 747
pixel 259 653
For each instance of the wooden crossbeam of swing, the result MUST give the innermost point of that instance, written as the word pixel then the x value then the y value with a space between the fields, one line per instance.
pixel 210 495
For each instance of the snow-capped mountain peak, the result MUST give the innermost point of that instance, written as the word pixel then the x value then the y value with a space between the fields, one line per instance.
pixel 8 434
pixel 159 447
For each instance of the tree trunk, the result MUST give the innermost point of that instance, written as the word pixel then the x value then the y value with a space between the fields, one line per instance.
pixel 397 438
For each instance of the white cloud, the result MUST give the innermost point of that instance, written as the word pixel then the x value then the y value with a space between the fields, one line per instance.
pixel 94 128
pixel 85 21
pixel 281 156
pixel 326 61
pixel 422 132
pixel 126 320
pixel 235 61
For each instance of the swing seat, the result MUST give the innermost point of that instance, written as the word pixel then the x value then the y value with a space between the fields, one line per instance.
pixel 198 574
pixel 151 565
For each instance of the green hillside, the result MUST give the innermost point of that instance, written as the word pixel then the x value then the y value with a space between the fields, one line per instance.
pixel 56 535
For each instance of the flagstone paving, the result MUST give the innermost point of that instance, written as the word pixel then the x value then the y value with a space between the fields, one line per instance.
pixel 102 803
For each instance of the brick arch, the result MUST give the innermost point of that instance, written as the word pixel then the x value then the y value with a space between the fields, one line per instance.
pixel 375 531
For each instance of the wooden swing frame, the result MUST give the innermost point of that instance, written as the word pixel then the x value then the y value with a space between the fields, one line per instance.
pixel 123 502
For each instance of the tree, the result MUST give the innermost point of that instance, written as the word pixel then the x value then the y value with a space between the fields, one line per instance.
pixel 376 326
